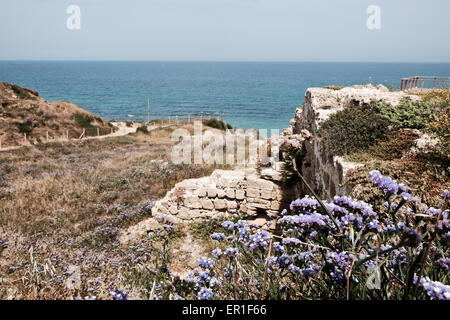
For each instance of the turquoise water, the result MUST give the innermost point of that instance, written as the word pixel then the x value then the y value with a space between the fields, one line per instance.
pixel 248 95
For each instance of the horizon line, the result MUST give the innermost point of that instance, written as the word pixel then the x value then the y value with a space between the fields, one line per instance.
pixel 218 61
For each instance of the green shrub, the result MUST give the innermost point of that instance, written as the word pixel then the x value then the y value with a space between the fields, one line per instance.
pixel 83 120
pixel 354 129
pixel 408 114
pixel 395 147
pixel 217 124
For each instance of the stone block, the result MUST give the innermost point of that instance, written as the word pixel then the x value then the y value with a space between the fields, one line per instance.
pixel 207 204
pixel 212 192
pixel 220 204
pixel 230 193
pixel 221 193
pixel 240 194
pixel 266 194
pixel 231 205
pixel 253 193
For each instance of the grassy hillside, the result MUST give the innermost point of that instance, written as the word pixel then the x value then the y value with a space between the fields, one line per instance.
pixel 23 112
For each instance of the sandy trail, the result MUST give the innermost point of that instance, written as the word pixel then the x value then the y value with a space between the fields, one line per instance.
pixel 122 127
pixel 123 130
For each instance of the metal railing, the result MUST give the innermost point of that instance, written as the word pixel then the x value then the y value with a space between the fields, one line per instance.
pixel 424 82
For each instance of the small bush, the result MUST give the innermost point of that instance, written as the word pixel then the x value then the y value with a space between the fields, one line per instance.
pixel 83 120
pixel 143 129
pixel 354 129
pixel 21 93
pixel 217 124
pixel 408 114
pixel 395 147
pixel 24 127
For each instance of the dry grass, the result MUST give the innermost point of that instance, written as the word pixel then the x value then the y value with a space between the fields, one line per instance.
pixel 68 202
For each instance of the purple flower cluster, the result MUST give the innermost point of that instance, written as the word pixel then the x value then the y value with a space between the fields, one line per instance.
pixel 338 264
pixel 217 253
pixel 444 263
pixel 356 206
pixel 434 289
pixel 218 236
pixel 231 252
pixel 119 295
pixel 388 185
pixel 313 220
pixel 445 194
pixel 205 294
pixel 205 263
pixel 260 239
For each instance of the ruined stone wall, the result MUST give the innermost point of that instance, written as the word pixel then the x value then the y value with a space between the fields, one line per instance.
pixel 248 191
pixel 323 171
pixel 256 192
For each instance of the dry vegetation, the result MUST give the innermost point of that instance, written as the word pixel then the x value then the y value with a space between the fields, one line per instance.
pixel 64 205
pixel 23 112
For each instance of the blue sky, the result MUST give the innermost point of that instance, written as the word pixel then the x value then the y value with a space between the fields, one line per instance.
pixel 226 30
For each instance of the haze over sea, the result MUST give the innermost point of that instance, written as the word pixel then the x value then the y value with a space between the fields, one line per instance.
pixel 245 94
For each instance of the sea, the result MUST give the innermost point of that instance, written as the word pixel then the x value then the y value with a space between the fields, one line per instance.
pixel 261 95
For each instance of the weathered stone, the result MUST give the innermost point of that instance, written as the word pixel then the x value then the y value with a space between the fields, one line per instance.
pixel 212 192
pixel 231 205
pixel 258 203
pixel 253 193
pixel 258 183
pixel 275 205
pixel 221 193
pixel 192 202
pixel 183 212
pixel 207 204
pixel 270 174
pixel 220 204
pixel 266 194
pixel 240 194
pixel 173 209
pixel 230 193
pixel 201 192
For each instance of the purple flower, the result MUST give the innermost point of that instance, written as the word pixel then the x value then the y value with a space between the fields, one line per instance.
pixel 434 289
pixel 258 240
pixel 444 263
pixel 445 194
pixel 231 252
pixel 228 225
pixel 119 295
pixel 205 263
pixel 284 261
pixel 217 236
pixel 205 294
pixel 217 253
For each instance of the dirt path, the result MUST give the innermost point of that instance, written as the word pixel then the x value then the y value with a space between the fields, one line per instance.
pixel 122 127
pixel 123 130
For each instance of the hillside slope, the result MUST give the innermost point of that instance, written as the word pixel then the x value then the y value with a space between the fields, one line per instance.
pixel 23 112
